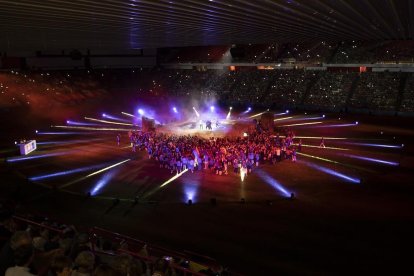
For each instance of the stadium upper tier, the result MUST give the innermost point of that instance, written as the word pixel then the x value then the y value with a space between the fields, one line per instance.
pixel 304 89
pixel 311 52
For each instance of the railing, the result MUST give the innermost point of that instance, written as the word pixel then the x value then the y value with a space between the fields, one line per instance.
pixel 154 251
pixel 134 246
pixel 30 222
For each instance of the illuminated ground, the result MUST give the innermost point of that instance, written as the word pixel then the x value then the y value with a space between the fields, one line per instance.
pixel 360 217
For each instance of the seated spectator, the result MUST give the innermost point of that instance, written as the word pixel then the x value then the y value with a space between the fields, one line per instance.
pixel 23 256
pixel 161 267
pixel 43 258
pixel 81 243
pixel 39 243
pixel 106 270
pixel 65 245
pixel 61 266
pixel 127 265
pixel 6 225
pixel 84 264
pixel 19 239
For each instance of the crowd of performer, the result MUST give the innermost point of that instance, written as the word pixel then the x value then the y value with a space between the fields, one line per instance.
pixel 220 155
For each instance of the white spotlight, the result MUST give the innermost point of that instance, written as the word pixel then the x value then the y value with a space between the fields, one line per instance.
pixel 228 114
pixel 195 110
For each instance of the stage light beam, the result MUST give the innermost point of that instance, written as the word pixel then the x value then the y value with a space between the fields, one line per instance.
pixel 196 112
pixel 373 145
pixel 165 183
pixel 70 122
pixel 272 182
pixel 229 114
pixel 95 173
pixel 105 115
pixel 129 115
pixel 102 182
pixel 335 162
pixel 107 122
pixel 173 178
pixel 391 163
pixel 302 124
pixel 314 146
pixel 247 110
pixel 282 113
pixel 63 132
pixel 24 158
pixel 67 172
pixel 320 137
pixel 85 128
pixel 282 119
pixel 258 114
pixel 333 173
pixel 190 192
pixel 336 125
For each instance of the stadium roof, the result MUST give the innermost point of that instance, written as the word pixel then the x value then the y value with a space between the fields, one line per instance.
pixel 126 24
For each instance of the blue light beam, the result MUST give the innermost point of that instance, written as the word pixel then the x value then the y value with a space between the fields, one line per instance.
pixel 372 159
pixel 24 158
pixel 103 181
pixel 68 172
pixel 374 145
pixel 190 192
pixel 334 173
pixel 272 182
pixel 109 116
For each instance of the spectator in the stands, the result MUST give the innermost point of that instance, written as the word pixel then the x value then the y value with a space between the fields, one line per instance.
pixel 106 270
pixel 61 266
pixel 81 243
pixel 127 265
pixel 65 244
pixel 161 267
pixel 7 225
pixel 23 256
pixel 43 259
pixel 84 264
pixel 39 243
pixel 18 240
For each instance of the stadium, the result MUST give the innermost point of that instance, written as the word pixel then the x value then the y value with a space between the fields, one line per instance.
pixel 206 137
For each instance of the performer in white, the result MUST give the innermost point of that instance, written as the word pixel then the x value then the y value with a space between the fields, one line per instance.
pixel 243 172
